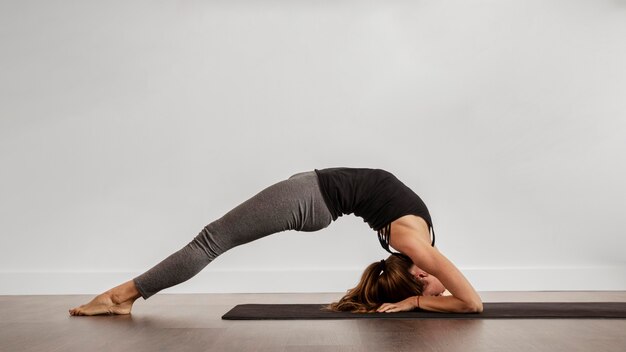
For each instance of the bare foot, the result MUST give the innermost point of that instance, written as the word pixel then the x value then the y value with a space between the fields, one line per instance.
pixel 118 300
pixel 103 304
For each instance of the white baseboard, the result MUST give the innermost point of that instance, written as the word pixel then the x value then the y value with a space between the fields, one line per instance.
pixel 607 278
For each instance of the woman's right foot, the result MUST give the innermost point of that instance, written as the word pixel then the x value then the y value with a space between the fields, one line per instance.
pixel 103 304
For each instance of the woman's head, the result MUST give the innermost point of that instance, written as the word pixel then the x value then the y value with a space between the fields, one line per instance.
pixel 390 280
pixel 431 286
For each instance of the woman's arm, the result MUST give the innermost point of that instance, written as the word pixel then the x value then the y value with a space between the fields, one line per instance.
pixel 463 298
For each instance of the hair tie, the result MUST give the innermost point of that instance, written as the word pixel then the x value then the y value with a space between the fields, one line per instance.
pixel 382 263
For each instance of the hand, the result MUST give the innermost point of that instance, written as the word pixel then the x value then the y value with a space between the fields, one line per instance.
pixel 402 306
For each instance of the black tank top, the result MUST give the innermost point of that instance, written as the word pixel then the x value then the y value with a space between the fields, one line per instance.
pixel 375 195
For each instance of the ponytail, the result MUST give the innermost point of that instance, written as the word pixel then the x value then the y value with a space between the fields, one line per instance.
pixel 384 281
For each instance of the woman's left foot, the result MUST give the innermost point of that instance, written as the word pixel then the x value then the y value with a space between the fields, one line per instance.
pixel 103 304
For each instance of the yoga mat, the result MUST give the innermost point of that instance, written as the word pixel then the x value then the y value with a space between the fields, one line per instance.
pixel 509 310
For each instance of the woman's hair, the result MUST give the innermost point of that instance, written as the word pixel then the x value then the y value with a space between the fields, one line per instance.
pixel 384 281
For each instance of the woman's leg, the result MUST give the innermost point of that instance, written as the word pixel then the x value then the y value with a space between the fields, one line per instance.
pixel 292 204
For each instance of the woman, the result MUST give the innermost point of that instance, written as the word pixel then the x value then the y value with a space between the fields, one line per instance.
pixel 309 201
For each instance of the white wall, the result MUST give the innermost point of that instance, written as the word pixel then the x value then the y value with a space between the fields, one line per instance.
pixel 126 126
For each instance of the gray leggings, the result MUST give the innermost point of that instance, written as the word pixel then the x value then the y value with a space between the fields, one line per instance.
pixel 292 204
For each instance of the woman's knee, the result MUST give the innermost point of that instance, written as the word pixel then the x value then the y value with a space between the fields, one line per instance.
pixel 208 241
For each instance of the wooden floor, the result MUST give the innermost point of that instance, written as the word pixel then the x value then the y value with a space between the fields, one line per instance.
pixel 192 322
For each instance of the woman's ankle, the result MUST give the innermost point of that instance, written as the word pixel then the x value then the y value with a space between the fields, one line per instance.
pixel 124 292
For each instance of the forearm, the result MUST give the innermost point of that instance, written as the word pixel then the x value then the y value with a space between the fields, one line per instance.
pixel 448 304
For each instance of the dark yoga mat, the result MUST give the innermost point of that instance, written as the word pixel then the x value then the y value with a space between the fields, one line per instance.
pixel 540 310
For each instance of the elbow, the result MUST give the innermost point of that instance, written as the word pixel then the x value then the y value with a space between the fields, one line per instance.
pixel 475 307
